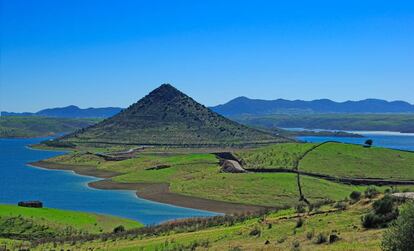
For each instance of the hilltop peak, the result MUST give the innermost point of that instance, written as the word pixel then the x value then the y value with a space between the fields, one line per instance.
pixel 165 92
pixel 166 116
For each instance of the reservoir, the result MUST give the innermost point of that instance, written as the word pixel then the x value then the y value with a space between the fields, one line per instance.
pixel 394 140
pixel 67 190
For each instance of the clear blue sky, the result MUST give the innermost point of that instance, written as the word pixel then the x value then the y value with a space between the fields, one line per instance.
pixel 111 53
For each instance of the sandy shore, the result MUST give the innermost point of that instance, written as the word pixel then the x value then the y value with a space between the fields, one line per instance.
pixel 158 192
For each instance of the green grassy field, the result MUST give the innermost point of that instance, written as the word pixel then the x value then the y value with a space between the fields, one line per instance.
pixel 199 175
pixel 346 160
pixel 55 222
pixel 274 156
pixel 33 126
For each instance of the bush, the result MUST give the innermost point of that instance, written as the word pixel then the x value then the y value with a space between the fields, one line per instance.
pixel 309 235
pixel 119 229
pixel 295 245
pixel 355 196
pixel 384 211
pixel 299 222
pixel 281 240
pixel 333 237
pixel 384 205
pixel 300 208
pixel 400 235
pixel 320 238
pixel 255 232
pixel 372 220
pixel 371 192
pixel 340 205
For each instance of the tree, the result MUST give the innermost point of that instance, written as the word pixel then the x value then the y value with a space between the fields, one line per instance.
pixel 400 235
pixel 368 142
pixel 119 229
pixel 355 196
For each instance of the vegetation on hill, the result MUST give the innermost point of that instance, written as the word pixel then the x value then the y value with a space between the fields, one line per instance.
pixel 168 117
pixel 400 236
pixel 324 228
pixel 332 121
pixel 30 126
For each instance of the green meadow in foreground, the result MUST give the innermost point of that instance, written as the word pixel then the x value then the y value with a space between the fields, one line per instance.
pixel 274 231
pixel 48 222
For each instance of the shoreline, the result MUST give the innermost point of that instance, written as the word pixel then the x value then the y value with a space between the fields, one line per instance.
pixel 157 192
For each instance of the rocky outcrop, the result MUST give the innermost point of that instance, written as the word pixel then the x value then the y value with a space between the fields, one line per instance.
pixel 231 166
pixel 407 195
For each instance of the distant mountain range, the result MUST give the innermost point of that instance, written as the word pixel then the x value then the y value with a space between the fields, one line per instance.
pixel 245 106
pixel 71 111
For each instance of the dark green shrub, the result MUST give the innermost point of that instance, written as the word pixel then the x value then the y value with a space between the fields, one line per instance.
pixel 309 235
pixel 355 196
pixel 400 235
pixel 320 238
pixel 333 237
pixel 295 245
pixel 255 232
pixel 371 192
pixel 299 222
pixel 119 229
pixel 384 205
pixel 384 211
pixel 340 205
pixel 300 208
pixel 281 240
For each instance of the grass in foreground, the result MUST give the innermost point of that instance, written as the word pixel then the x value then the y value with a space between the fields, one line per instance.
pixel 276 231
pixel 32 222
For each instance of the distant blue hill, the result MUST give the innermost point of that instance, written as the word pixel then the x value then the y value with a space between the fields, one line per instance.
pixel 70 112
pixel 245 106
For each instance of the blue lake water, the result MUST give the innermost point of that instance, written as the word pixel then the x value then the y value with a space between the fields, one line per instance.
pixel 66 190
pixel 394 140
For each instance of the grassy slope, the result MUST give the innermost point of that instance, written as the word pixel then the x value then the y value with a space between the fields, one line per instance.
pixel 57 221
pixel 31 126
pixel 346 160
pixel 281 235
pixel 274 156
pixel 199 175
pixel 380 122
